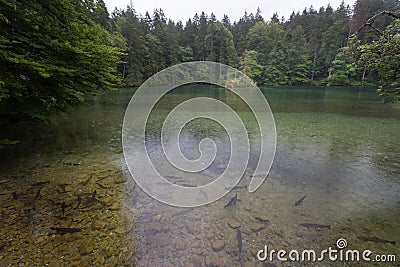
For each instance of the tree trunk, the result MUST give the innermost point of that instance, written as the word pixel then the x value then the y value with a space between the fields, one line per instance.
pixel 364 74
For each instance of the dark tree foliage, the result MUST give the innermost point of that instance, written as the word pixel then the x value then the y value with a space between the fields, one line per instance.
pixel 241 29
pixel 383 56
pixel 311 47
pixel 364 9
pixel 51 53
pixel 154 42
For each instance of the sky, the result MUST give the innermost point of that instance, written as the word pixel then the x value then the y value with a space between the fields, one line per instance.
pixel 184 9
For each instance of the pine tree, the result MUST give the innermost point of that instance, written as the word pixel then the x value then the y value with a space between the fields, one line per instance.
pixel 343 70
pixel 335 37
pixel 200 41
pixel 297 58
pixel 219 44
pixel 241 29
pixel 130 26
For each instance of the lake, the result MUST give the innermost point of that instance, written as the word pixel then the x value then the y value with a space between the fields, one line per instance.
pixel 337 157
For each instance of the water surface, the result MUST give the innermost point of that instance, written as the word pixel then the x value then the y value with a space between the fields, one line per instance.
pixel 336 146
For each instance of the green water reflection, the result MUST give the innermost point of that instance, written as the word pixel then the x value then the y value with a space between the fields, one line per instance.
pixel 337 146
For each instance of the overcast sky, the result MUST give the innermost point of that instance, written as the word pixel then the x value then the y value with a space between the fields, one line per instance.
pixel 184 9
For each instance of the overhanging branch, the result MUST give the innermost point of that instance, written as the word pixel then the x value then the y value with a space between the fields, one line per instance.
pixel 372 20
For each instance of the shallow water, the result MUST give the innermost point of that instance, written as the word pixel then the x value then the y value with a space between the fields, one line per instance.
pixel 336 146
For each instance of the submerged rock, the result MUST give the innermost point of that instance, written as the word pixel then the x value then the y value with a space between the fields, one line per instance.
pixel 179 245
pixel 214 261
pixel 111 251
pixel 98 225
pixel 86 247
pixel 218 245
pixel 108 201
pixel 233 223
pixel 115 206
pixel 100 260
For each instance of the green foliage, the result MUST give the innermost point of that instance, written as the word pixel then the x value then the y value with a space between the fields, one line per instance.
pixel 267 40
pixel 154 57
pixel 297 58
pixel 364 9
pixel 384 57
pixel 185 54
pixel 219 44
pixel 334 36
pixel 249 65
pixel 241 29
pixel 343 70
pixel 129 26
pixel 282 56
pixel 275 69
pixel 51 54
pixel 6 142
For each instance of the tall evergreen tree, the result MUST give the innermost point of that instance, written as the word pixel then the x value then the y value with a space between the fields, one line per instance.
pixel 343 70
pixel 335 38
pixel 200 41
pixel 219 44
pixel 241 29
pixel 297 59
pixel 129 25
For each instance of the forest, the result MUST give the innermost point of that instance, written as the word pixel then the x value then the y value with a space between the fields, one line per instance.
pixel 53 52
